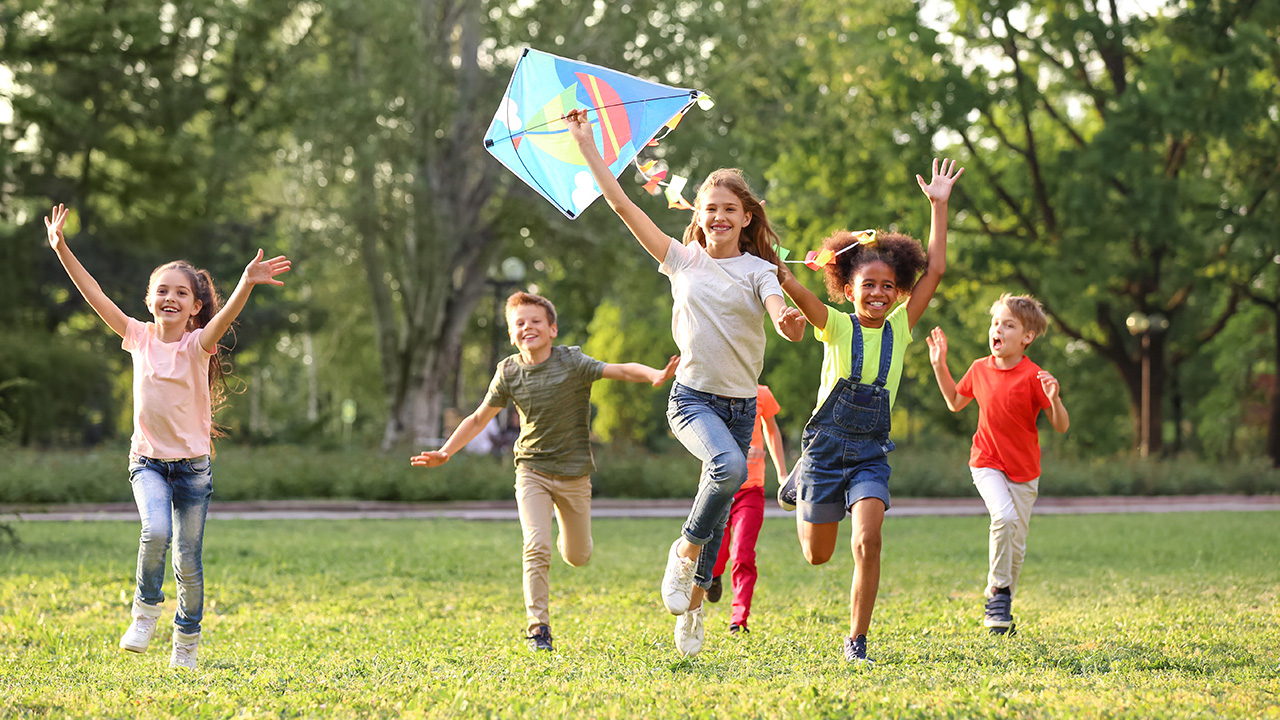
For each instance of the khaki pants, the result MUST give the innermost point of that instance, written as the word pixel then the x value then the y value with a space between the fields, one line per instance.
pixel 537 495
pixel 1010 506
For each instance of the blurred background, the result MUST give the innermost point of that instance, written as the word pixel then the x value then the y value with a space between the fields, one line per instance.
pixel 1122 165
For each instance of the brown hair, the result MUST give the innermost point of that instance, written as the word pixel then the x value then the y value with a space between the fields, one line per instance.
pixel 900 252
pixel 210 302
pixel 1027 309
pixel 519 298
pixel 758 237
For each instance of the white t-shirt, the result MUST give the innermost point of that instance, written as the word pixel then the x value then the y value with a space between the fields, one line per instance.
pixel 717 318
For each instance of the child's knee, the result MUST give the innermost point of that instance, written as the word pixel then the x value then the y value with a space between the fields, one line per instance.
pixel 576 557
pixel 866 545
pixel 816 555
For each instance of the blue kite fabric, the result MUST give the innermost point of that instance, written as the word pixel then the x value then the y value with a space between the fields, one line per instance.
pixel 529 135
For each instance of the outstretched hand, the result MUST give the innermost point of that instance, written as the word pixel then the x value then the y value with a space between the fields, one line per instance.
pixel 1050 384
pixel 937 342
pixel 430 458
pixel 260 271
pixel 668 372
pixel 53 224
pixel 791 321
pixel 939 187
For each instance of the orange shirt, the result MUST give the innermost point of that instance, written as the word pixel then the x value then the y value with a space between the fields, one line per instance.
pixel 1008 403
pixel 766 407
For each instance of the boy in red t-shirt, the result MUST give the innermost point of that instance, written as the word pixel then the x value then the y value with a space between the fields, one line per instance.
pixel 746 515
pixel 1005 459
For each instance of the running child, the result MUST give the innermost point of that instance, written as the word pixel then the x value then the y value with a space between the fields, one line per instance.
pixel 551 387
pixel 843 465
pixel 178 382
pixel 746 515
pixel 1011 390
pixel 724 282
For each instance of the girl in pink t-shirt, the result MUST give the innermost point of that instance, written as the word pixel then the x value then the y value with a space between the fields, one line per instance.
pixel 177 382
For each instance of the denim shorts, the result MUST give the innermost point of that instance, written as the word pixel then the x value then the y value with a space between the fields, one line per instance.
pixel 837 472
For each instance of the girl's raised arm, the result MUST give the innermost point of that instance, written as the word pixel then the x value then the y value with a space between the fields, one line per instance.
pixel 815 311
pixel 938 191
pixel 650 236
pixel 257 272
pixel 110 313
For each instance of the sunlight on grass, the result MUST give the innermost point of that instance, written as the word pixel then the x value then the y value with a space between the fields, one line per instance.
pixel 1119 616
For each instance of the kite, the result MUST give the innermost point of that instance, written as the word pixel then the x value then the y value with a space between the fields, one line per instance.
pixel 529 135
pixel 818 259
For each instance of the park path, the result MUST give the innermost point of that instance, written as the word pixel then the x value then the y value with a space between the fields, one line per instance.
pixel 615 508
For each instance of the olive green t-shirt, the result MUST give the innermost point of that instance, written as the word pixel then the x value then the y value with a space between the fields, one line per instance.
pixel 554 401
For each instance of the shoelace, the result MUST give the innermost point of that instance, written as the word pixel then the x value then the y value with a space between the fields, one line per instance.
pixel 182 653
pixel 685 571
pixel 144 626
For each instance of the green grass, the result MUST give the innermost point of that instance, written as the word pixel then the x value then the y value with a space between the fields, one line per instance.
pixel 1120 616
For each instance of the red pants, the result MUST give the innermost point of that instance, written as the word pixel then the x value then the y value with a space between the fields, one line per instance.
pixel 740 535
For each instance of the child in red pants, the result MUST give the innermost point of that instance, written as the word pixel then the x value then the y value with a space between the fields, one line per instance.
pixel 747 514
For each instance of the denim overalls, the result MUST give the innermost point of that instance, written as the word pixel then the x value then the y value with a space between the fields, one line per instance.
pixel 845 443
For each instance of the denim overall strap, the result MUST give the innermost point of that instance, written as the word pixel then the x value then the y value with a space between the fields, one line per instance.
pixel 886 353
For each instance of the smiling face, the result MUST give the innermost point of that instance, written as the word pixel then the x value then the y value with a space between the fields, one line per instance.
pixel 531 329
pixel 722 216
pixel 172 299
pixel 873 292
pixel 1007 336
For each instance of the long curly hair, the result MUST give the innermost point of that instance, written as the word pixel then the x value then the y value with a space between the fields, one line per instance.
pixel 900 252
pixel 758 237
pixel 210 302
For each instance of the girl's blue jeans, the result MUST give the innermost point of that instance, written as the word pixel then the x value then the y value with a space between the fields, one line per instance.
pixel 717 430
pixel 173 500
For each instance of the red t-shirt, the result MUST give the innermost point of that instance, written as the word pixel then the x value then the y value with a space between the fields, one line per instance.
pixel 1008 403
pixel 766 407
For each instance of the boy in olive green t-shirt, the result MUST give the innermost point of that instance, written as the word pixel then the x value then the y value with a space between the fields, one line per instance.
pixel 551 387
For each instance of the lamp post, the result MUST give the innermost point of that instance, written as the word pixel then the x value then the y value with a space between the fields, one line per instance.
pixel 1143 326
pixel 512 274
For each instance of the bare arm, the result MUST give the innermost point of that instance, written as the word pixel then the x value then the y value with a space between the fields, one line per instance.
pixel 1057 412
pixel 257 272
pixel 650 236
pixel 937 342
pixel 466 431
pixel 814 310
pixel 788 321
pixel 638 372
pixel 938 191
pixel 110 313
pixel 773 441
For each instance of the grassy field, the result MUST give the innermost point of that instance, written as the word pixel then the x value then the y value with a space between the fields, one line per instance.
pixel 1120 616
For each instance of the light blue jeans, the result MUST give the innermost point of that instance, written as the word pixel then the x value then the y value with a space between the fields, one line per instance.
pixel 173 500
pixel 717 430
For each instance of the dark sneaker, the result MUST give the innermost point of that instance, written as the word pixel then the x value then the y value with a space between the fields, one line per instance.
pixel 998 615
pixel 787 493
pixel 855 650
pixel 716 590
pixel 739 630
pixel 540 639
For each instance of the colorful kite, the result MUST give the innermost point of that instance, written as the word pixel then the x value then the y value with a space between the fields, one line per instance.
pixel 529 136
pixel 817 259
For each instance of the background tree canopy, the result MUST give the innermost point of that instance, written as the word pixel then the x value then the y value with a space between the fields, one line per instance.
pixel 1123 166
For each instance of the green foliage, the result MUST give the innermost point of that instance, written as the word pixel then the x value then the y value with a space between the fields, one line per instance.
pixel 57 391
pixel 630 412
pixel 1117 618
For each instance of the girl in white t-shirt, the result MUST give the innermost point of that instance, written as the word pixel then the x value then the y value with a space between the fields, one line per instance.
pixel 724 280
pixel 177 383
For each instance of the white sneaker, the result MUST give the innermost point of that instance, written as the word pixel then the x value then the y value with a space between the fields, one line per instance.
pixel 138 636
pixel 677 581
pixel 184 650
pixel 689 632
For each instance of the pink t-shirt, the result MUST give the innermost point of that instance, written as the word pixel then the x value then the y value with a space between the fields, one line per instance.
pixel 172 413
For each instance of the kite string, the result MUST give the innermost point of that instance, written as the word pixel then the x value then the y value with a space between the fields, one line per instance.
pixel 597 109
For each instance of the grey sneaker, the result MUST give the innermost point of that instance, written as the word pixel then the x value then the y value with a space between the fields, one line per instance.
pixel 855 650
pixel 138 637
pixel 689 632
pixel 184 650
pixel 998 614
pixel 787 494
pixel 677 581
pixel 540 639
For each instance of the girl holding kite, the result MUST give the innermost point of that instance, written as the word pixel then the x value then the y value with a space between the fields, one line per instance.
pixel 843 465
pixel 724 279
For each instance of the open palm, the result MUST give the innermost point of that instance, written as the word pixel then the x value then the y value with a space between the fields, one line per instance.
pixel 53 223
pixel 944 176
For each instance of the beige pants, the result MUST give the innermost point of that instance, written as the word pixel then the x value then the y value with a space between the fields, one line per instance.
pixel 1010 506
pixel 537 496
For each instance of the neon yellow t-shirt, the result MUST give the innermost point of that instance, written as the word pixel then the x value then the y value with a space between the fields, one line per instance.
pixel 837 361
